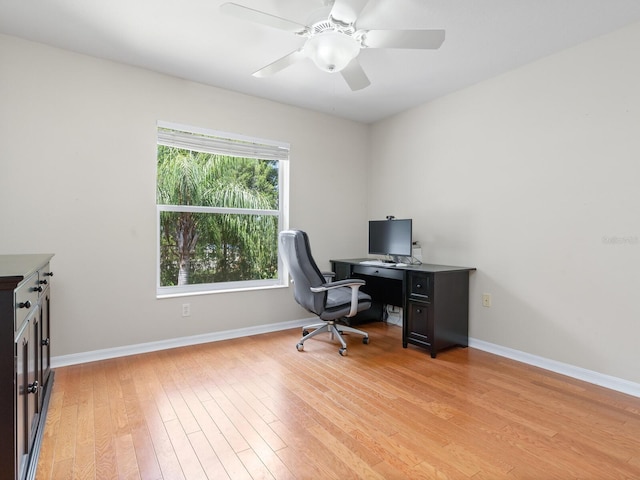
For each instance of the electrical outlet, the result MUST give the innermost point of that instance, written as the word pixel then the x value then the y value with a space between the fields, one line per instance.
pixel 486 299
pixel 186 309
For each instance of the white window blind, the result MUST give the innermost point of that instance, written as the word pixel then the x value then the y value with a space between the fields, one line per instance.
pixel 201 140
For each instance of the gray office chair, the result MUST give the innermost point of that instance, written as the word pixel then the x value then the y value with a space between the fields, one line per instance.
pixel 331 301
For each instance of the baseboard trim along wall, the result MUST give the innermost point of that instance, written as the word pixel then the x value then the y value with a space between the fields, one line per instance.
pixel 607 381
pixel 107 353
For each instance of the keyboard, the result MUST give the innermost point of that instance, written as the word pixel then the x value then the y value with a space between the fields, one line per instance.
pixel 377 263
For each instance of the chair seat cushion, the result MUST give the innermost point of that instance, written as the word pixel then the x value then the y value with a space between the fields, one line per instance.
pixel 339 303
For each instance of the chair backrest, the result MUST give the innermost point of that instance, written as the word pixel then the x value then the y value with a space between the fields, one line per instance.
pixel 296 254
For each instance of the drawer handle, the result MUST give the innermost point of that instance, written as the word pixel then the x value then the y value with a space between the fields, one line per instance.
pixel 45 342
pixel 37 289
pixel 419 310
pixel 48 274
pixel 419 285
pixel 32 387
pixel 26 304
pixel 43 282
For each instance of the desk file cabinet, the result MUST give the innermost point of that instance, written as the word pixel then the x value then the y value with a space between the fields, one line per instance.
pixel 26 377
pixel 437 310
pixel 434 299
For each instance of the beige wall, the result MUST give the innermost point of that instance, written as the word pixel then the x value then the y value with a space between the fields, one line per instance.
pixel 77 179
pixel 532 177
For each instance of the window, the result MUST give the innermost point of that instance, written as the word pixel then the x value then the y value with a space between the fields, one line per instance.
pixel 221 201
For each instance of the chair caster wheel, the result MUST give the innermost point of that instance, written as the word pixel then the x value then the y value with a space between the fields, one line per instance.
pixel 305 333
pixel 343 352
pixel 365 340
pixel 300 347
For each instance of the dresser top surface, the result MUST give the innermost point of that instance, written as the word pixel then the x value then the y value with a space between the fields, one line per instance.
pixel 22 265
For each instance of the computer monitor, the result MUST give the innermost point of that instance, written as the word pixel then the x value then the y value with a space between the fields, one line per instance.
pixel 391 237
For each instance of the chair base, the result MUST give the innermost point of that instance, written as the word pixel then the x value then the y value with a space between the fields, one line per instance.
pixel 335 330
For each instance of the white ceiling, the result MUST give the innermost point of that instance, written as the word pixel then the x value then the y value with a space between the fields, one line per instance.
pixel 191 39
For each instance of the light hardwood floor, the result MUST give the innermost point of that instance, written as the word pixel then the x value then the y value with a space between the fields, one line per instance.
pixel 255 408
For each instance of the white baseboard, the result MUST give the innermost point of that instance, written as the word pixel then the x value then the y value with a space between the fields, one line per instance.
pixel 596 378
pixel 95 355
pixel 607 381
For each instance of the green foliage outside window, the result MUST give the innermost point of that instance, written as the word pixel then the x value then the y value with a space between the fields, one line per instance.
pixel 207 246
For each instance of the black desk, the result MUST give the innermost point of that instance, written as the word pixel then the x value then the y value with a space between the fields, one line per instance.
pixel 434 299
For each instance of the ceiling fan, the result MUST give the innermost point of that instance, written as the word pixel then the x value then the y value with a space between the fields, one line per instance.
pixel 333 39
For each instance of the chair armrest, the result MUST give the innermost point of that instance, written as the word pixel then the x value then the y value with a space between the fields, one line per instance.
pixel 347 282
pixel 354 283
pixel 328 276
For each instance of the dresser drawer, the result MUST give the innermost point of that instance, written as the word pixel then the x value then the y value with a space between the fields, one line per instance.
pixel 25 298
pixel 44 277
pixel 420 286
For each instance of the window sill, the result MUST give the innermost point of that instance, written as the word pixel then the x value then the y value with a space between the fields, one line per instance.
pixel 160 296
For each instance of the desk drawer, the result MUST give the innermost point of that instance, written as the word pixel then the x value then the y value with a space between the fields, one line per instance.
pixel 420 286
pixel 378 272
pixel 419 329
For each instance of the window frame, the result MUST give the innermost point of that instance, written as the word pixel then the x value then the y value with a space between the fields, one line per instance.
pixel 274 150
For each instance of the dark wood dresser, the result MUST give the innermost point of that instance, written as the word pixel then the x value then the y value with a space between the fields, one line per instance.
pixel 26 377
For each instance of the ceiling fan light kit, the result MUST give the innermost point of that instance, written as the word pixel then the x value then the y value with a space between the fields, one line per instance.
pixel 332 50
pixel 334 43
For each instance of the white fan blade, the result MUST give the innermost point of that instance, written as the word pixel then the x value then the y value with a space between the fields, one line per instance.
pixel 246 13
pixel 354 75
pixel 280 64
pixel 347 11
pixel 426 39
